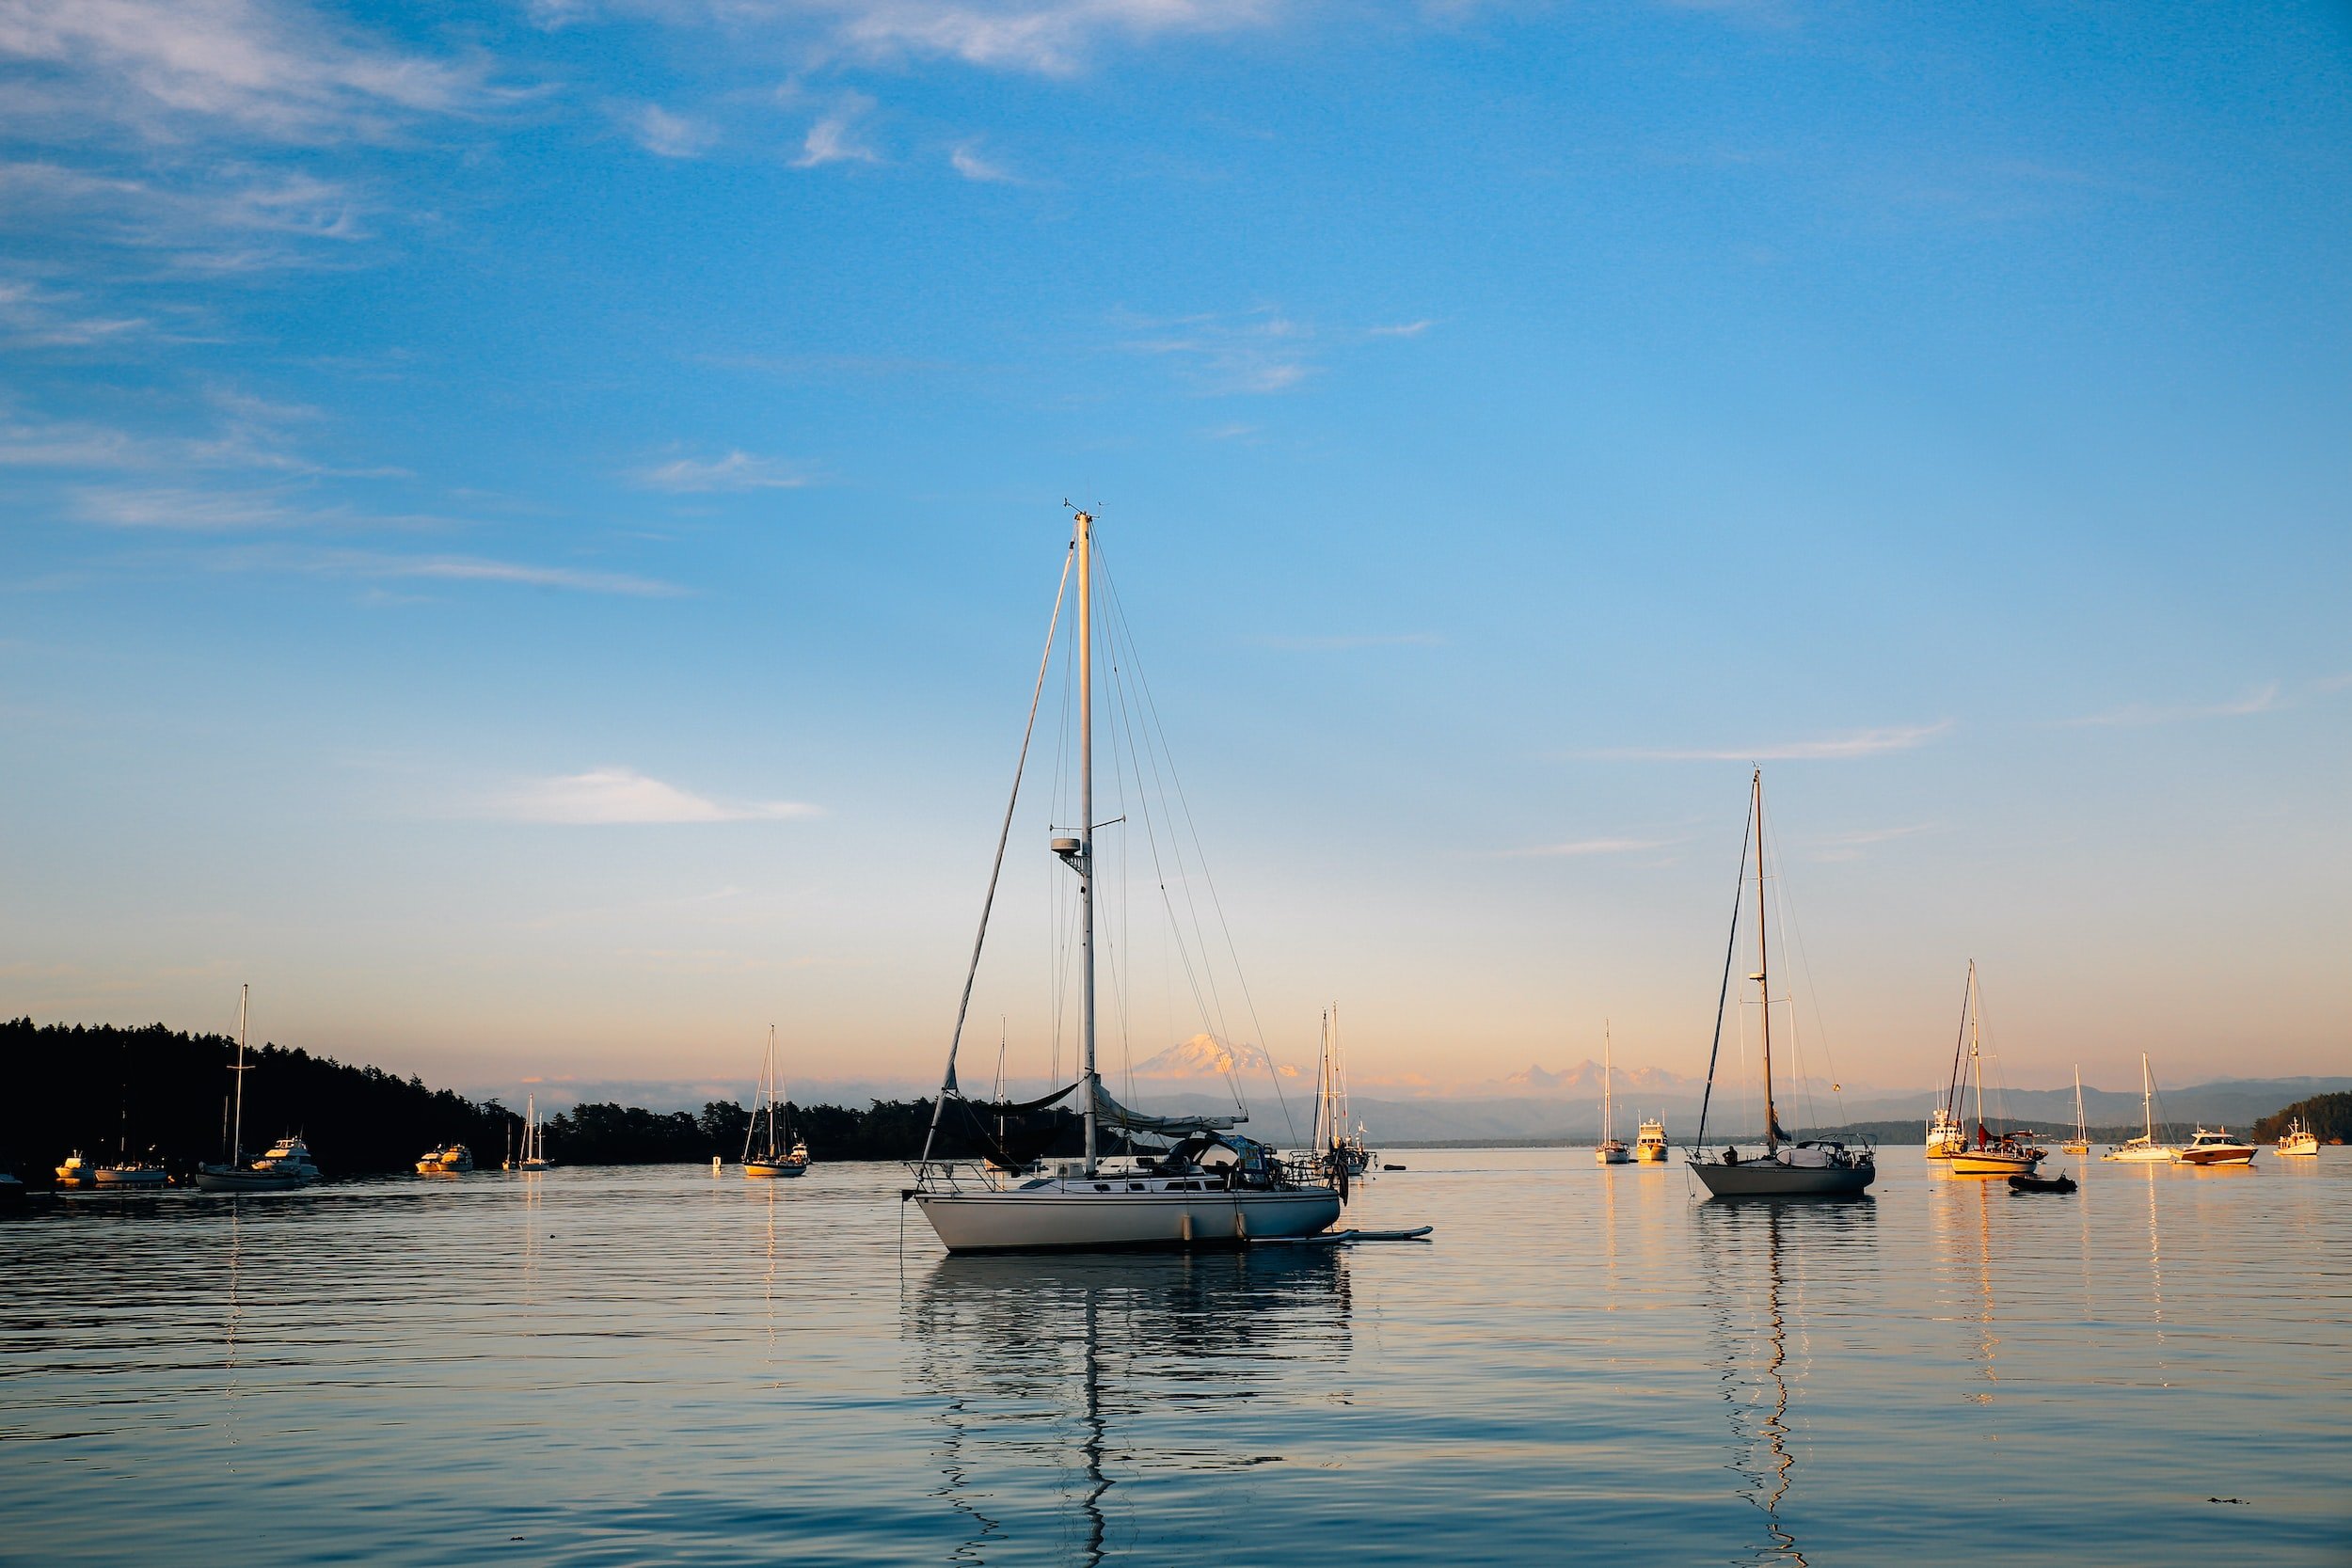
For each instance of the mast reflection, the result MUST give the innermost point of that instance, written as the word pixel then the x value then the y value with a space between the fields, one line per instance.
pixel 1068 1376
pixel 1740 1244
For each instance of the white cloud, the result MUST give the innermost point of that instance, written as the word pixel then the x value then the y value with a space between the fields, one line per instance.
pixel 831 140
pixel 668 135
pixel 737 471
pixel 2261 700
pixel 1860 743
pixel 1343 643
pixel 1402 329
pixel 1049 37
pixel 966 160
pixel 604 795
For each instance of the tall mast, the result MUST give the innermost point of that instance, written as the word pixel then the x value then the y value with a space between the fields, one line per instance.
pixel 236 1138
pixel 1976 1052
pixel 1084 862
pixel 771 1076
pixel 1323 1090
pixel 1607 1108
pixel 1764 968
pixel 2082 1129
pixel 2147 1097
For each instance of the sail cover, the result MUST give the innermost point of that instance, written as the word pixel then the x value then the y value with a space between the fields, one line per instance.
pixel 1136 1121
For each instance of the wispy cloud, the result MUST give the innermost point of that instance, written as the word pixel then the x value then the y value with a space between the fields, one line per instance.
pixel 966 160
pixel 395 567
pixel 737 471
pixel 668 135
pixel 833 139
pixel 1850 845
pixel 1261 350
pixel 1051 38
pixel 1401 329
pixel 201 511
pixel 35 317
pixel 1859 743
pixel 1343 643
pixel 2264 699
pixel 1576 848
pixel 623 796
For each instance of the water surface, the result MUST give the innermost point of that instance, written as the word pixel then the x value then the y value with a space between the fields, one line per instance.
pixel 621 1367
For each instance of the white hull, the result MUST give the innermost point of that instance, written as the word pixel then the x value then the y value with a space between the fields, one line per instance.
pixel 1768 1178
pixel 1070 1216
pixel 2143 1154
pixel 2306 1147
pixel 136 1176
pixel 1612 1155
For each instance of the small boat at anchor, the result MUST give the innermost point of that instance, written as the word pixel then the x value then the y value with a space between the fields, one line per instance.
pixel 2080 1142
pixel 535 1154
pixel 134 1175
pixel 2145 1150
pixel 2298 1140
pixel 1610 1150
pixel 2010 1154
pixel 1649 1146
pixel 79 1170
pixel 448 1160
pixel 2217 1149
pixel 771 1157
pixel 1788 1169
pixel 286 1166
pixel 2026 1182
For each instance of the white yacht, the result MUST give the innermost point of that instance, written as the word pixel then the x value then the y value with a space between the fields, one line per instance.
pixel 1649 1146
pixel 2217 1149
pixel 2145 1150
pixel 1811 1168
pixel 79 1170
pixel 1209 1187
pixel 1946 1135
pixel 448 1160
pixel 2299 1140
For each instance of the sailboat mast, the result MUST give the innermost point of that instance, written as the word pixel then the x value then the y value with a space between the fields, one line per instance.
pixel 2147 1099
pixel 2082 1129
pixel 1086 826
pixel 770 1075
pixel 1976 1052
pixel 1764 968
pixel 1607 1133
pixel 236 1138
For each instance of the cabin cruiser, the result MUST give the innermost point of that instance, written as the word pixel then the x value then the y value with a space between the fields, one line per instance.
pixel 77 1171
pixel 1945 1136
pixel 2299 1139
pixel 1649 1146
pixel 448 1160
pixel 286 1166
pixel 2217 1149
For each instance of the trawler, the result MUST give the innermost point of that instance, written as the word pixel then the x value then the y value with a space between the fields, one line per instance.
pixel 448 1160
pixel 1810 1167
pixel 1946 1135
pixel 287 1165
pixel 2144 1149
pixel 79 1170
pixel 772 1158
pixel 1208 1187
pixel 2299 1140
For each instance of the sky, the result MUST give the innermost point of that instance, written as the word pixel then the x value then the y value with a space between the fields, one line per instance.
pixel 525 529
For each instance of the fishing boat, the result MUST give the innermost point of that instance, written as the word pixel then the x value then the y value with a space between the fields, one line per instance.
pixel 1610 1150
pixel 1208 1186
pixel 79 1170
pixel 1945 1133
pixel 2010 1154
pixel 2217 1149
pixel 535 1154
pixel 1649 1146
pixel 779 1153
pixel 448 1160
pixel 1788 1169
pixel 2144 1149
pixel 2299 1140
pixel 286 1166
pixel 2080 1142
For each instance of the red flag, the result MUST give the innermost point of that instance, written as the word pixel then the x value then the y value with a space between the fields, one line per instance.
pixel 1980 1138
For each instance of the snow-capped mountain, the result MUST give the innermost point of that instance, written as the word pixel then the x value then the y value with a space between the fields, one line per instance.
pixel 1205 1057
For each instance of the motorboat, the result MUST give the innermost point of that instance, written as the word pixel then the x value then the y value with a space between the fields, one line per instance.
pixel 2298 1140
pixel 79 1170
pixel 2025 1182
pixel 448 1160
pixel 1208 1185
pixel 771 1157
pixel 2144 1149
pixel 1649 1146
pixel 1946 1135
pixel 1786 1167
pixel 2217 1149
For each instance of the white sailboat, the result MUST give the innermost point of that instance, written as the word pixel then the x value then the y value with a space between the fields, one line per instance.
pixel 779 1153
pixel 1339 1154
pixel 2080 1142
pixel 1211 1188
pixel 286 1165
pixel 2145 1150
pixel 1609 1151
pixel 535 1154
pixel 1812 1167
pixel 1988 1155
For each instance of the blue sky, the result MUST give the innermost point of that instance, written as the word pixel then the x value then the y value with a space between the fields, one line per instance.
pixel 525 528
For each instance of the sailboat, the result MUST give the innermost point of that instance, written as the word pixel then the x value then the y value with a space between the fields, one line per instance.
pixel 1811 1168
pixel 286 1165
pixel 2144 1149
pixel 1947 1134
pixel 535 1154
pixel 2080 1142
pixel 1609 1151
pixel 125 1171
pixel 1212 1187
pixel 1339 1154
pixel 772 1157
pixel 1988 1156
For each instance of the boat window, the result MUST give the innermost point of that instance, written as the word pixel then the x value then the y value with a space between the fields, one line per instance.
pixel 1101 1186
pixel 1135 1186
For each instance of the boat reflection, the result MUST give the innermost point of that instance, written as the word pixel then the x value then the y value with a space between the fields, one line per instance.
pixel 1741 1244
pixel 1063 1378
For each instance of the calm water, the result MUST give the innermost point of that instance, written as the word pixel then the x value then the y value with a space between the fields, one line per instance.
pixel 624 1367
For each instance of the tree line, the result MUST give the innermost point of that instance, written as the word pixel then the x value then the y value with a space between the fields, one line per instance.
pixel 152 1092
pixel 2330 1116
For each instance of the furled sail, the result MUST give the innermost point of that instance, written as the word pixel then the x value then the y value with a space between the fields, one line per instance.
pixel 1118 1116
